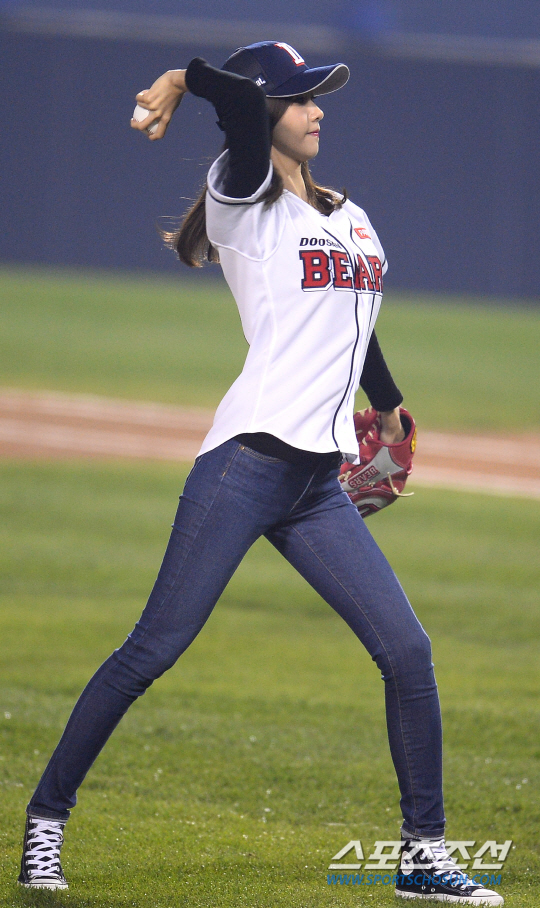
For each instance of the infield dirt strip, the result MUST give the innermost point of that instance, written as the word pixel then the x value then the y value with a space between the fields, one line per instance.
pixel 44 424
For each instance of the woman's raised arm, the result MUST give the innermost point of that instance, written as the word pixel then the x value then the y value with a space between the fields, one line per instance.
pixel 243 116
pixel 161 101
pixel 241 109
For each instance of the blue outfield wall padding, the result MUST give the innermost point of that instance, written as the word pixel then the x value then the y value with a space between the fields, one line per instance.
pixel 443 157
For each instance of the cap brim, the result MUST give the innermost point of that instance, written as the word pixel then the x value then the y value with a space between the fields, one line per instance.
pixel 321 79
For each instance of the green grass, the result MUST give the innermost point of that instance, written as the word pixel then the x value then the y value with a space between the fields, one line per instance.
pixel 461 365
pixel 242 771
pixel 146 338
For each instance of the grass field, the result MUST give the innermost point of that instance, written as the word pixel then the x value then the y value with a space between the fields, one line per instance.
pixel 242 771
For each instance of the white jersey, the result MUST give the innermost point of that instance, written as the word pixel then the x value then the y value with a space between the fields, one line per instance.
pixel 308 288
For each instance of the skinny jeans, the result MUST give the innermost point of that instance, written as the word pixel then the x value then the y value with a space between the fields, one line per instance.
pixel 232 496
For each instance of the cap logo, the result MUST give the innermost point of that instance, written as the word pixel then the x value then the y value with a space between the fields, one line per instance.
pixel 260 81
pixel 293 53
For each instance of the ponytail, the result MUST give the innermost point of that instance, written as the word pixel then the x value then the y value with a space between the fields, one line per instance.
pixel 190 240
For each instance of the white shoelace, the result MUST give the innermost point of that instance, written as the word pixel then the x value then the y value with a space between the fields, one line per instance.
pixel 437 853
pixel 45 839
pixel 441 862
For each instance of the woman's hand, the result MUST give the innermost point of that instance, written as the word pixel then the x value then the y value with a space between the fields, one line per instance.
pixel 161 101
pixel 392 431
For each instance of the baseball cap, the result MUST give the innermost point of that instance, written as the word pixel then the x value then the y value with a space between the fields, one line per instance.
pixel 282 73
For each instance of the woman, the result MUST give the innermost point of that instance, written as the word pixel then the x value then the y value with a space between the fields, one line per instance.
pixel 305 267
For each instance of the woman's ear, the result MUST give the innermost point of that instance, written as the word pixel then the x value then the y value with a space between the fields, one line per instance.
pixel 276 109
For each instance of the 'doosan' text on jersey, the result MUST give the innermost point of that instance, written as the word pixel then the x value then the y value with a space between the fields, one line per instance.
pixel 308 288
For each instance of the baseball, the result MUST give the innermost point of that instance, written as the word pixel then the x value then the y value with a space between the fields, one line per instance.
pixel 140 113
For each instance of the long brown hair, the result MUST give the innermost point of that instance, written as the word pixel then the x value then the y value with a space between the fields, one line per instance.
pixel 190 240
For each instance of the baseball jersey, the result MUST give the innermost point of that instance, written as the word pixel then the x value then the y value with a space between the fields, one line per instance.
pixel 308 288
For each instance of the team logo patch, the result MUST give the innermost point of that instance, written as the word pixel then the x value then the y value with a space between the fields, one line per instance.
pixel 413 442
pixel 322 271
pixel 362 233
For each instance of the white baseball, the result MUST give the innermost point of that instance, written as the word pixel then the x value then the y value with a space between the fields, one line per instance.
pixel 140 113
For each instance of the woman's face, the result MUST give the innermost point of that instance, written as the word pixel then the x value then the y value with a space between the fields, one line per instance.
pixel 297 132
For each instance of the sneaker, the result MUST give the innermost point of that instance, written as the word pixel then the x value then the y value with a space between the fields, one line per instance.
pixel 40 864
pixel 428 872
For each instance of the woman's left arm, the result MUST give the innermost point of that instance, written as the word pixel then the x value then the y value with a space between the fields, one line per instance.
pixel 392 430
pixel 382 392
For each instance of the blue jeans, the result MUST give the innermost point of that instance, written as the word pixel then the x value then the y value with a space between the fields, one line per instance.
pixel 232 496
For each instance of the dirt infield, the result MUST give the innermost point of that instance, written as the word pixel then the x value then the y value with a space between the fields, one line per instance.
pixel 46 424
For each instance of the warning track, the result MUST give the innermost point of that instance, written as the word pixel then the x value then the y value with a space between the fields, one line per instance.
pixel 44 424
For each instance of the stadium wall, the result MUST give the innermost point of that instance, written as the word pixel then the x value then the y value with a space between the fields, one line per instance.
pixel 443 156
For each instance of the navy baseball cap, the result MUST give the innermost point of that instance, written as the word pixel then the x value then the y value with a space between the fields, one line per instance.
pixel 282 73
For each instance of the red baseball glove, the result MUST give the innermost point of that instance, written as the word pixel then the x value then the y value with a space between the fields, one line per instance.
pixel 380 477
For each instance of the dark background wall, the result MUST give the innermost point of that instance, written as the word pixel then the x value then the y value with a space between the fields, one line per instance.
pixel 443 155
pixel 487 18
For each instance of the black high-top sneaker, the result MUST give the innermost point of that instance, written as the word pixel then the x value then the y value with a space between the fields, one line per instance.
pixel 427 872
pixel 40 864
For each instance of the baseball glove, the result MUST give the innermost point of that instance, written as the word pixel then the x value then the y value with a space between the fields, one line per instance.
pixel 380 477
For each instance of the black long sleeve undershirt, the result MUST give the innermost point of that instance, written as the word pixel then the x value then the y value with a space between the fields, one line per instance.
pixel 376 380
pixel 243 115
